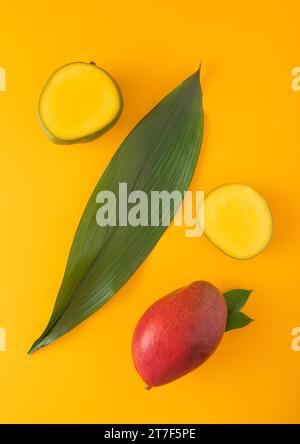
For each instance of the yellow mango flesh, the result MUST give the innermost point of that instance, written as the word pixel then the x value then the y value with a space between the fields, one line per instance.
pixel 78 101
pixel 2 79
pixel 237 220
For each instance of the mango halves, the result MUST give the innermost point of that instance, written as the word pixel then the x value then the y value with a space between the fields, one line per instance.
pixel 178 333
pixel 79 102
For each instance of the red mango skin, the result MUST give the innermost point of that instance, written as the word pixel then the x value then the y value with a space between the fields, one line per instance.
pixel 178 333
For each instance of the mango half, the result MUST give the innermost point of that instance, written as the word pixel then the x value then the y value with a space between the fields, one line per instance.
pixel 237 220
pixel 79 102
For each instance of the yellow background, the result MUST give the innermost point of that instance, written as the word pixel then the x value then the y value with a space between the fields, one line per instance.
pixel 251 135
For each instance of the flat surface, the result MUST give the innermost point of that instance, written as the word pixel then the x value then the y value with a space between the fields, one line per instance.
pixel 251 135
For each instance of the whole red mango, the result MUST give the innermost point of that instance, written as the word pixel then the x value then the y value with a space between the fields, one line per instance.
pixel 178 333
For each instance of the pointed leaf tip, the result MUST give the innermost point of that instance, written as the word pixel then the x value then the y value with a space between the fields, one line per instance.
pixel 36 346
pixel 237 320
pixel 198 71
pixel 236 299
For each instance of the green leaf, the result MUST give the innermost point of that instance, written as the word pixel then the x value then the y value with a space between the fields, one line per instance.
pixel 236 299
pixel 160 153
pixel 237 320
